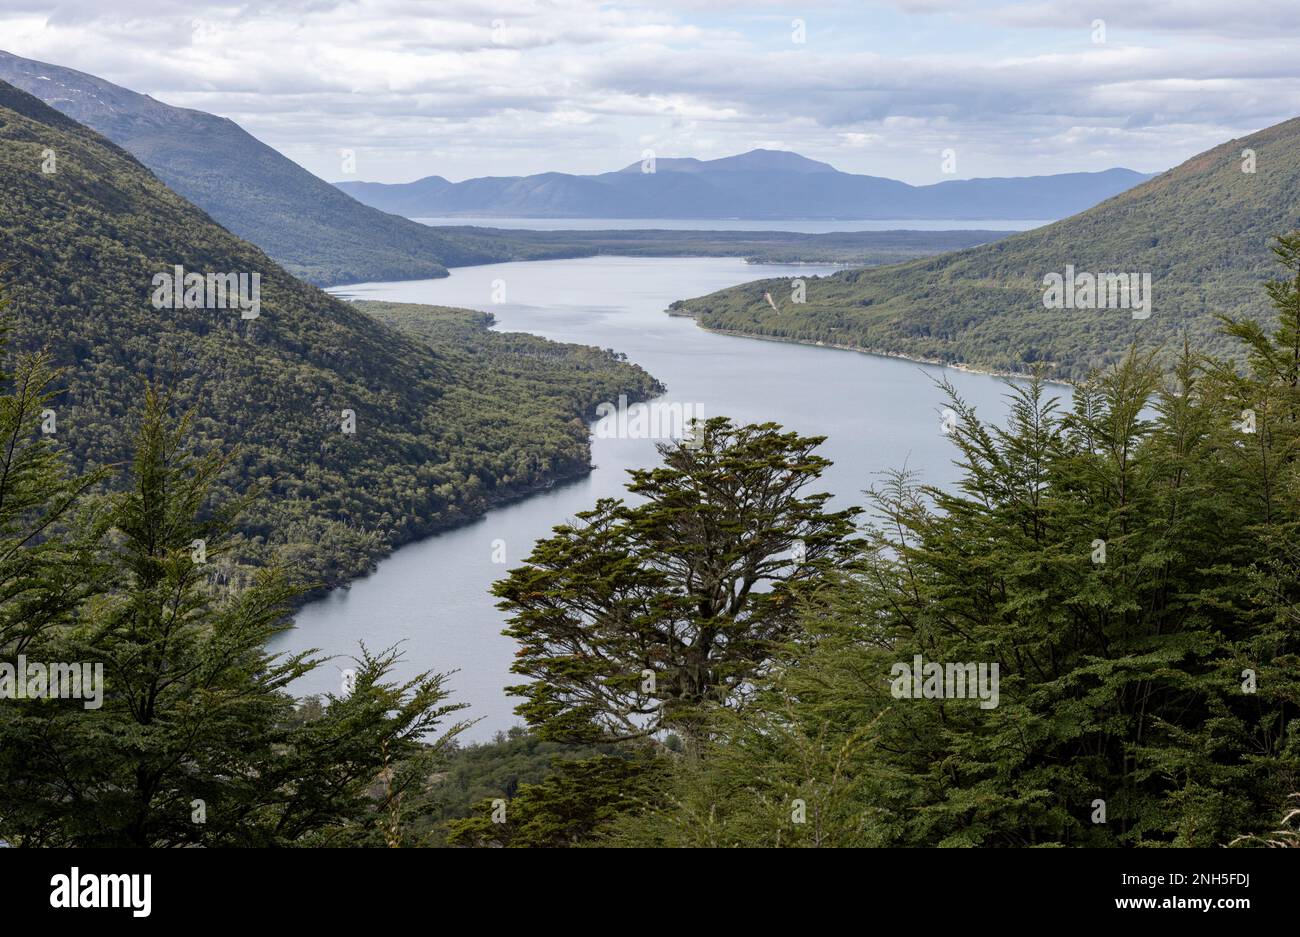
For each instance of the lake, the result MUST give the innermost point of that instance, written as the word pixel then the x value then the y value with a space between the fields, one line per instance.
pixel 879 413
pixel 813 226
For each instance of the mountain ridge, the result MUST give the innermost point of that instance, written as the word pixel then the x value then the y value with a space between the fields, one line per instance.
pixel 759 185
pixel 310 227
pixel 321 234
pixel 751 160
pixel 327 238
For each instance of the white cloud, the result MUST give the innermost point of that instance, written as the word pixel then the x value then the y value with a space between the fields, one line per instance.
pixel 471 87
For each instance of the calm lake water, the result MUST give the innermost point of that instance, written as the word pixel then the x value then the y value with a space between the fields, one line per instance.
pixel 816 226
pixel 879 413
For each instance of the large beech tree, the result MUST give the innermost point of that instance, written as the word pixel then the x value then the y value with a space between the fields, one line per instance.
pixel 640 616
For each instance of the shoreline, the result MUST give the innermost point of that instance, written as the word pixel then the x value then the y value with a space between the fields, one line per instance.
pixel 874 352
pixel 470 514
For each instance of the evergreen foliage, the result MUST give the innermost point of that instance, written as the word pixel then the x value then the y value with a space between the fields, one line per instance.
pixel 179 730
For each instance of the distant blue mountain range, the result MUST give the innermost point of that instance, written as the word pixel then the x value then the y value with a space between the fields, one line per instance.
pixel 759 185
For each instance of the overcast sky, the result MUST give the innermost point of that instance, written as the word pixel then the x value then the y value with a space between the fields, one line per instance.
pixel 463 88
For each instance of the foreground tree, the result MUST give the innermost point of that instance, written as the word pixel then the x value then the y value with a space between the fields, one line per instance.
pixel 48 565
pixel 642 616
pixel 194 738
pixel 576 805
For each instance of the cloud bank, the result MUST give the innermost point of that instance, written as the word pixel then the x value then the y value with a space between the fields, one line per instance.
pixel 464 88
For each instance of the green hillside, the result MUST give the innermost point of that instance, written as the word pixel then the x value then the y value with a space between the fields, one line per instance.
pixel 447 422
pixel 1202 231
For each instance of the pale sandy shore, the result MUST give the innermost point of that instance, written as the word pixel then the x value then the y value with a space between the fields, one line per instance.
pixel 877 352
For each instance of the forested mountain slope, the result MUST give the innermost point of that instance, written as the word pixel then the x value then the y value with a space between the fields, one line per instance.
pixel 1201 231
pixel 445 424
